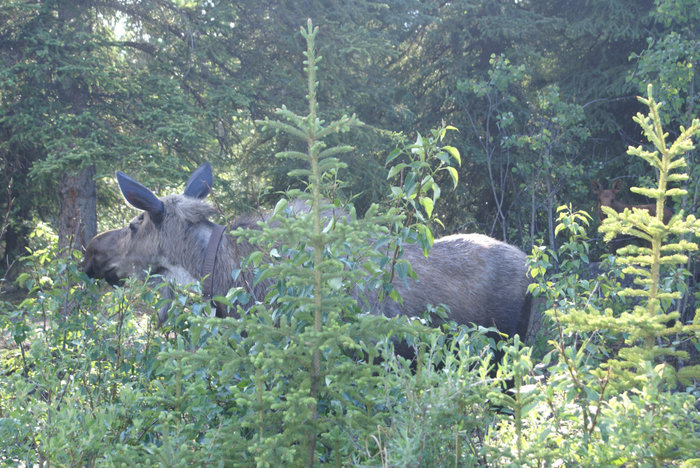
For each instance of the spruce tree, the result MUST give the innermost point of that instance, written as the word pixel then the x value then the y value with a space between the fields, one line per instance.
pixel 647 328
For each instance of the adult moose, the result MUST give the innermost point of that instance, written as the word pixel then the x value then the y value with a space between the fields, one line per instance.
pixel 480 280
pixel 607 197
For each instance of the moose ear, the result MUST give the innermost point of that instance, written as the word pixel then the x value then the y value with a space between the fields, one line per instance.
pixel 617 185
pixel 140 197
pixel 596 187
pixel 200 182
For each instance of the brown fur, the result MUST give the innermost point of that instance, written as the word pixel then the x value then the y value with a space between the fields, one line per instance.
pixel 480 279
pixel 607 197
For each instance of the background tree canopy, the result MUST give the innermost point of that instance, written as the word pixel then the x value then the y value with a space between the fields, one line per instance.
pixel 541 93
pixel 487 116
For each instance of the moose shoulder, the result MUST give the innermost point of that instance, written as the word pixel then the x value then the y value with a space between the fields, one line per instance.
pixel 479 279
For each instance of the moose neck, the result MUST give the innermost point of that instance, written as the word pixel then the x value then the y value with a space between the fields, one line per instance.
pixel 618 205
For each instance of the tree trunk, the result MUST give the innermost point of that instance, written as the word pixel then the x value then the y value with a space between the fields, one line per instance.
pixel 77 218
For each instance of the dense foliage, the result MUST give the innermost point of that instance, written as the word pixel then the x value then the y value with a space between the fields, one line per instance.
pixel 542 96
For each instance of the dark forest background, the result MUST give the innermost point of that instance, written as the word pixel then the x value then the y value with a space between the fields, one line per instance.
pixel 542 93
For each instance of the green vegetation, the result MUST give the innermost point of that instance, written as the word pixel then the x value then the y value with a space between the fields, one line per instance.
pixel 538 101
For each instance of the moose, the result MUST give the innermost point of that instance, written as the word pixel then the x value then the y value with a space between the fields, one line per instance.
pixel 606 197
pixel 481 280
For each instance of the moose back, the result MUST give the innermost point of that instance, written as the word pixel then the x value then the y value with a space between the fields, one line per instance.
pixel 481 280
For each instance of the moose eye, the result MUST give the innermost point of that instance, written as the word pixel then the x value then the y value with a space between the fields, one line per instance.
pixel 134 225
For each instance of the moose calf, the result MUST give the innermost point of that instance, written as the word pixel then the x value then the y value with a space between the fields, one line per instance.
pixel 606 197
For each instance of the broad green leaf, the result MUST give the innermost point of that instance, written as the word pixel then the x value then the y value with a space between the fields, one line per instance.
pixel 454 152
pixel 395 170
pixel 427 205
pixel 393 155
pixel 454 174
